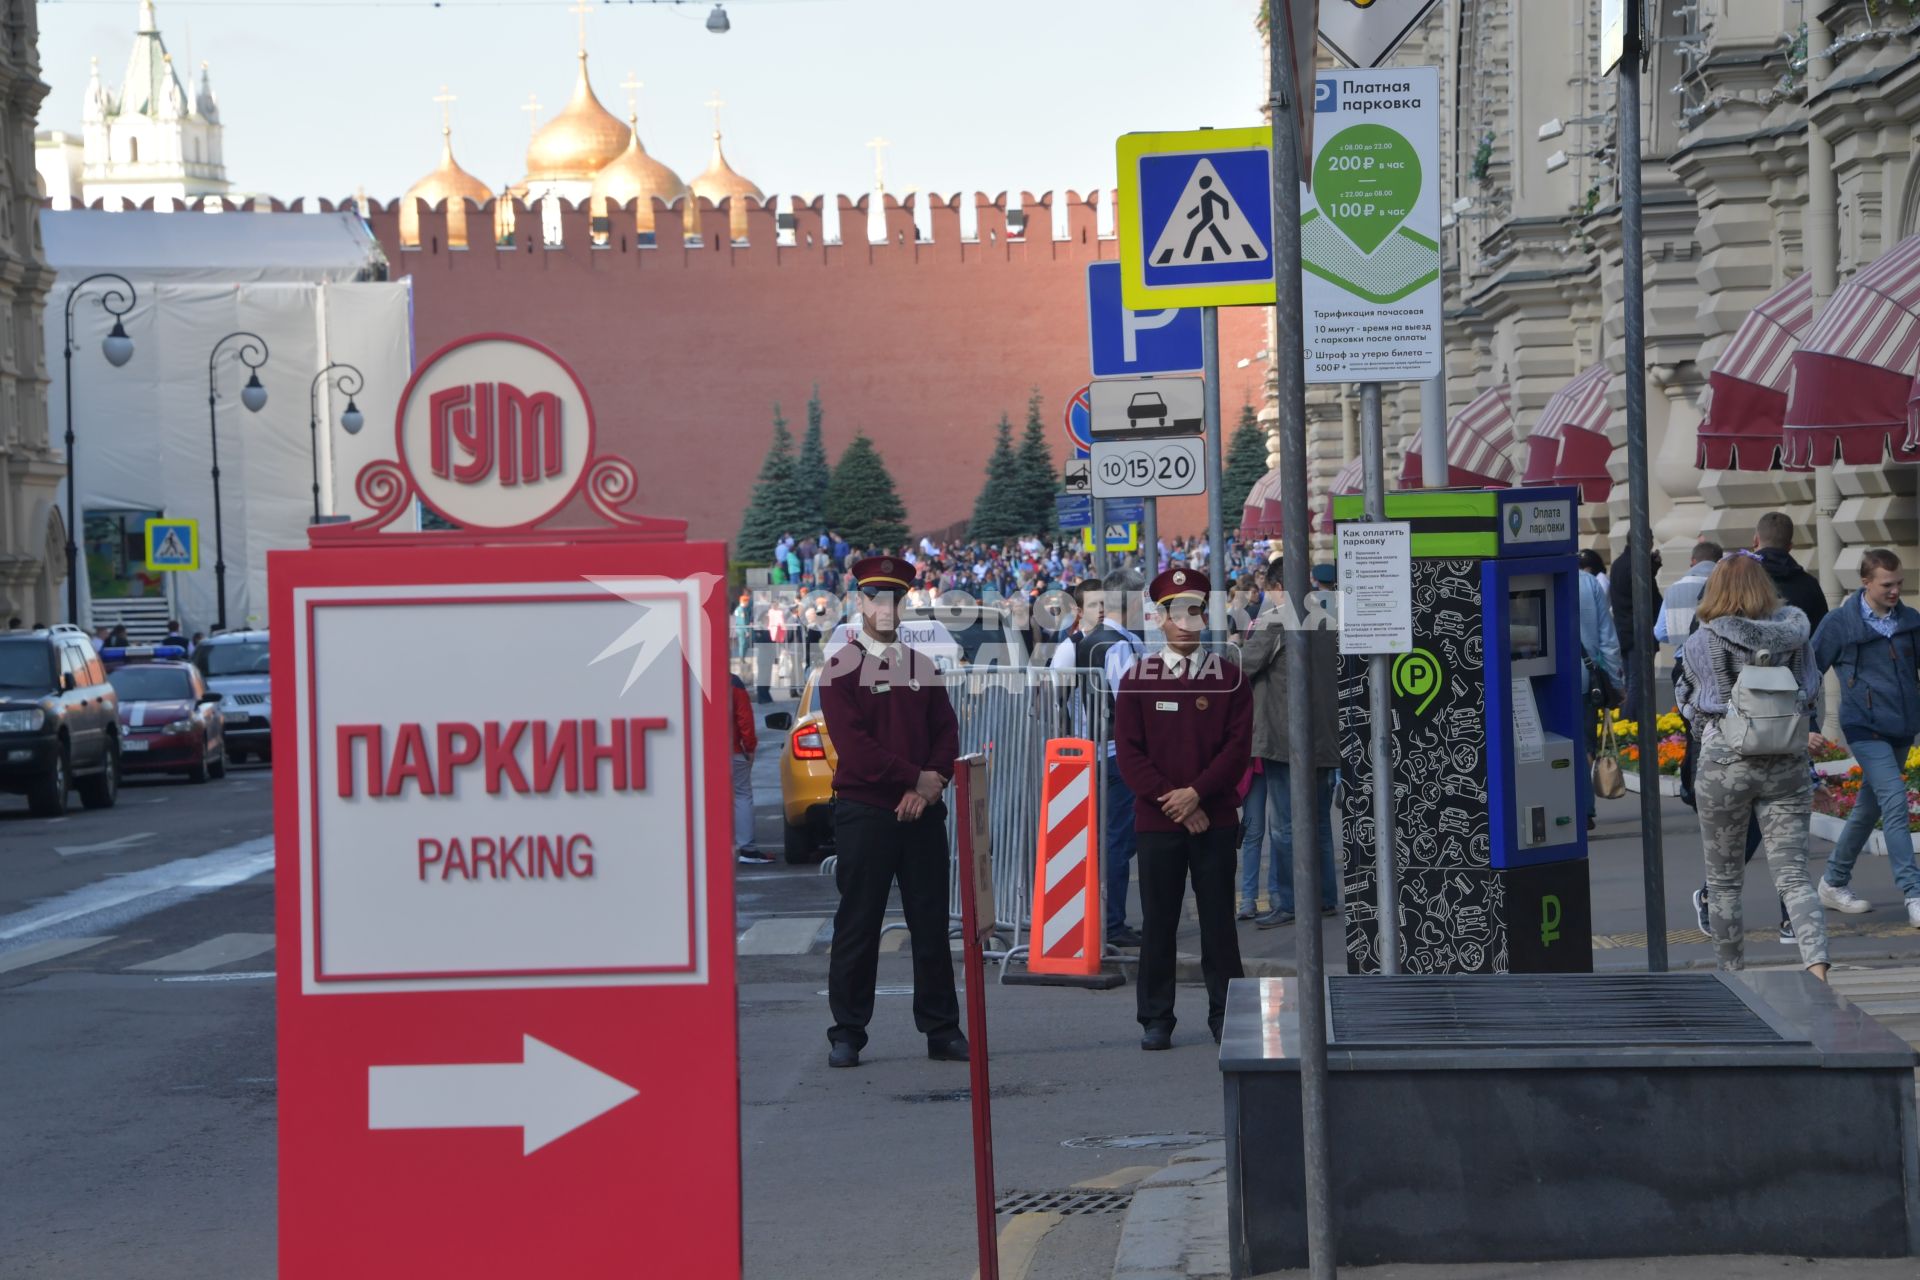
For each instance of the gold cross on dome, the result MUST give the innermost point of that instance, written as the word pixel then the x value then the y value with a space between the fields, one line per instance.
pixel 583 9
pixel 715 103
pixel 446 101
pixel 633 85
pixel 879 146
pixel 532 107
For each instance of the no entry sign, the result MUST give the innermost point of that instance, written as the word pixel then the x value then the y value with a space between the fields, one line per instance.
pixel 507 1028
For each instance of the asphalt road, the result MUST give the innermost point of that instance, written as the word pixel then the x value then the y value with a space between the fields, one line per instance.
pixel 139 1107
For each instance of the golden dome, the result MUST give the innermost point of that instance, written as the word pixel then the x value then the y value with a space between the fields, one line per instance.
pixel 450 183
pixel 580 141
pixel 719 182
pixel 635 175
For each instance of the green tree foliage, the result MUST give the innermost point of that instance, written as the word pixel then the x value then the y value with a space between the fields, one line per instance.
pixel 810 471
pixel 1246 462
pixel 862 505
pixel 777 505
pixel 1001 511
pixel 1038 482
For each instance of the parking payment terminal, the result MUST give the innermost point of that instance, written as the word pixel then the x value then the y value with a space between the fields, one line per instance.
pixel 1488 743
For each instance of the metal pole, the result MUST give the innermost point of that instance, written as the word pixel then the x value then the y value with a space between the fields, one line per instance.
pixel 351 382
pixel 1150 538
pixel 971 771
pixel 1433 431
pixel 1820 230
pixel 1216 539
pixel 1290 368
pixel 1639 530
pixel 1380 694
pixel 219 543
pixel 1099 534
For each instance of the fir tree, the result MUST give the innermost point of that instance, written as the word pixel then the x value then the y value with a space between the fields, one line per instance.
pixel 777 507
pixel 1038 482
pixel 1000 513
pixel 810 472
pixel 862 505
pixel 1246 462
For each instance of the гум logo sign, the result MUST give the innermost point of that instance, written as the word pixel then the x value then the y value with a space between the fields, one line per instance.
pixel 495 432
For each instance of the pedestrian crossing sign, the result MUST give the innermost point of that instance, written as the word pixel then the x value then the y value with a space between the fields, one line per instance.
pixel 1120 537
pixel 172 545
pixel 1194 217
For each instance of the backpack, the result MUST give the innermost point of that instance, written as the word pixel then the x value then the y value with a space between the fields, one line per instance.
pixel 1763 711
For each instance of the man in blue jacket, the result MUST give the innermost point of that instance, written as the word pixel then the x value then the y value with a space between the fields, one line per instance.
pixel 1872 642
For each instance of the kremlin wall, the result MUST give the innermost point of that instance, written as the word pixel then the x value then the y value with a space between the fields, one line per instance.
pixel 684 348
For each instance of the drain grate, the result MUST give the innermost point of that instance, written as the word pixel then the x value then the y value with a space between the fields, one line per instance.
pixel 1074 1200
pixel 1566 1010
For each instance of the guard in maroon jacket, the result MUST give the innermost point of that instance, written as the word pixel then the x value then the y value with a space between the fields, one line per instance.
pixel 894 732
pixel 1183 731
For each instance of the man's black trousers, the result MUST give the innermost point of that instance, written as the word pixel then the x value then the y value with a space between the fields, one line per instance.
pixel 1167 861
pixel 875 849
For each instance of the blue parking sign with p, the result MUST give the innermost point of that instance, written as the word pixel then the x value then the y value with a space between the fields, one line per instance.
pixel 1123 342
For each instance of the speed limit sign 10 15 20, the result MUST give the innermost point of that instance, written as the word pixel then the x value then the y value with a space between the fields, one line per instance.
pixel 1148 468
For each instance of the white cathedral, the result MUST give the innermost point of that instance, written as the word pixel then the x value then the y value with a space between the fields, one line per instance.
pixel 148 141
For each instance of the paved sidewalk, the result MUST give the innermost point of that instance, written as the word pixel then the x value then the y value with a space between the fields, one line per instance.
pixel 1619 906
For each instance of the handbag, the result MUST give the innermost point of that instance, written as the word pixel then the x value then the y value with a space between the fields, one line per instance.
pixel 1602 693
pixel 1609 780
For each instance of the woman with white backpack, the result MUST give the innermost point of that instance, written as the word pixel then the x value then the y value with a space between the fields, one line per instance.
pixel 1749 686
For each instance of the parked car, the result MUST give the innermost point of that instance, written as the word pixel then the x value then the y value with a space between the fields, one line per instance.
pixel 59 721
pixel 807 761
pixel 235 666
pixel 170 722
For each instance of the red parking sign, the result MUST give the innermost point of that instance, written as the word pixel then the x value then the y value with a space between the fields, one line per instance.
pixel 506 995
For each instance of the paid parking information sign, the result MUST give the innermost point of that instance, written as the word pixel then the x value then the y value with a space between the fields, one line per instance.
pixel 1370 228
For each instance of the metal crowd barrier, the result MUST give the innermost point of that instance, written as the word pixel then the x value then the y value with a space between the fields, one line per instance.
pixel 1009 713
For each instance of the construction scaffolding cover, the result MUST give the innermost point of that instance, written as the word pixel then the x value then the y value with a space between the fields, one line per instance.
pixel 311 287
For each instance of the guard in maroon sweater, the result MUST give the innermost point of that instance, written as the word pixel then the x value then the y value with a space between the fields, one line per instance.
pixel 1183 732
pixel 896 738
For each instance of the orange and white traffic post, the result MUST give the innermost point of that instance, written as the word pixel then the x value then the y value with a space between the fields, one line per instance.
pixel 1065 946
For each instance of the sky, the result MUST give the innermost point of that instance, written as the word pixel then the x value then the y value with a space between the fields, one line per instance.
pixel 323 97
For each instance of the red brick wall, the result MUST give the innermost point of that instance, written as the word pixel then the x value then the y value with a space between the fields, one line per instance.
pixel 921 344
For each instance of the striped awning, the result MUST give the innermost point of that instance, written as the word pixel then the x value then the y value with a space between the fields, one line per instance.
pixel 1349 479
pixel 1260 517
pixel 1746 396
pixel 1479 444
pixel 1569 444
pixel 1854 372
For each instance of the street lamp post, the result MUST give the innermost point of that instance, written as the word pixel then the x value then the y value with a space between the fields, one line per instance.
pixel 118 349
pixel 350 381
pixel 253 353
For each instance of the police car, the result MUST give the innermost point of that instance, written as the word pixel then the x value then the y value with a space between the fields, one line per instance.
pixel 234 664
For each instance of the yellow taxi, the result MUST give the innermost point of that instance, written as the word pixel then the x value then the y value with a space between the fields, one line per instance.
pixel 806 776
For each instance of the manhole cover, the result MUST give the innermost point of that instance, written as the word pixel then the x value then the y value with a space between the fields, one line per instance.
pixel 1142 1141
pixel 1073 1200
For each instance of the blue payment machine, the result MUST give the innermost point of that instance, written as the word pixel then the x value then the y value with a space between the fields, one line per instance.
pixel 1488 742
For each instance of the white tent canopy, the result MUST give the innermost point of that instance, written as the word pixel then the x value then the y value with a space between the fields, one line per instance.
pixel 309 285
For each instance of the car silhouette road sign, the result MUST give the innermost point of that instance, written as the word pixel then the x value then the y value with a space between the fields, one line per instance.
pixel 1147 405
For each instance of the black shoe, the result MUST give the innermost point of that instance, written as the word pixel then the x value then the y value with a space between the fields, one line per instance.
pixel 953 1049
pixel 1274 919
pixel 844 1054
pixel 1157 1038
pixel 1124 936
pixel 1700 911
pixel 1325 911
pixel 752 857
pixel 1216 1032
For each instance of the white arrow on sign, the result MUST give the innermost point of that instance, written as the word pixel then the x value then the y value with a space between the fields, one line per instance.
pixel 546 1095
pixel 105 846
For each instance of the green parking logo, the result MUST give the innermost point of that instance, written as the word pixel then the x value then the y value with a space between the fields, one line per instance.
pixel 1416 674
pixel 1549 919
pixel 1514 519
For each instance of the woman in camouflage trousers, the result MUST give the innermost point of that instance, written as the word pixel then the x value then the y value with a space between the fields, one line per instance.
pixel 1741 615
